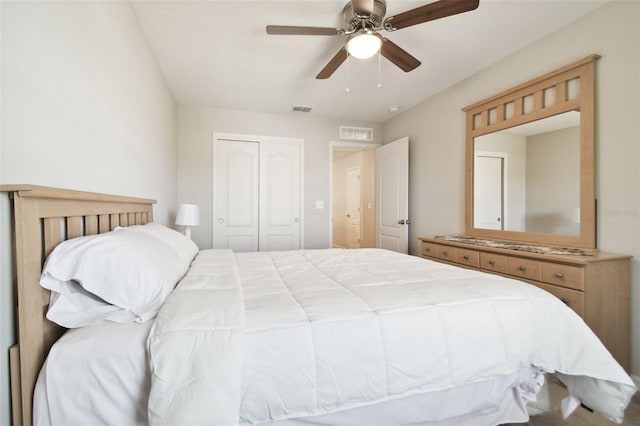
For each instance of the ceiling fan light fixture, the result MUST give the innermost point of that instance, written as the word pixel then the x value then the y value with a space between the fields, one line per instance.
pixel 364 45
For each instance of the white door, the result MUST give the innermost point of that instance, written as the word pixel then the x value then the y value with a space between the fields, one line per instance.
pixel 236 195
pixel 488 192
pixel 392 192
pixel 353 207
pixel 280 196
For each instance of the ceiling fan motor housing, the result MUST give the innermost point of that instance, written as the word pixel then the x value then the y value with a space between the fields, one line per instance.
pixel 373 21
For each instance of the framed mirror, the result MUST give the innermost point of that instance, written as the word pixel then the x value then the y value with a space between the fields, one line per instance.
pixel 530 161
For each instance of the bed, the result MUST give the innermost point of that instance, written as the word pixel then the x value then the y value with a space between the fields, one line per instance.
pixel 293 338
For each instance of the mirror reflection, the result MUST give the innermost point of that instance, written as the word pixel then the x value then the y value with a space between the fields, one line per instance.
pixel 527 178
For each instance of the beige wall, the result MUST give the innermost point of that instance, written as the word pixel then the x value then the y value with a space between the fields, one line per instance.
pixel 553 182
pixel 196 126
pixel 84 106
pixel 436 132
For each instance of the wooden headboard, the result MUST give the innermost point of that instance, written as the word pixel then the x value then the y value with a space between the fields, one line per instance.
pixel 42 218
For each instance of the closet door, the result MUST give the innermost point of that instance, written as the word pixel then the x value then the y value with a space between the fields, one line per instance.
pixel 280 197
pixel 236 192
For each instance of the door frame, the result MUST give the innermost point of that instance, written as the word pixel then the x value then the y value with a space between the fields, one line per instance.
pixel 358 168
pixel 258 139
pixel 356 146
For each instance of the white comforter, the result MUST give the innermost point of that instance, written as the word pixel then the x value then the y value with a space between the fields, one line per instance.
pixel 336 329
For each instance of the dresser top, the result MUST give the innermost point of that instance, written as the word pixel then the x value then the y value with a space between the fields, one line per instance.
pixel 513 248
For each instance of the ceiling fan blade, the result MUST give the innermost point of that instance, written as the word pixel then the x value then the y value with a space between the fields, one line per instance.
pixel 398 56
pixel 429 12
pixel 333 64
pixel 293 30
pixel 362 7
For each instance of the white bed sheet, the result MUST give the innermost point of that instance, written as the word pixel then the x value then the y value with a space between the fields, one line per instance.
pixel 99 375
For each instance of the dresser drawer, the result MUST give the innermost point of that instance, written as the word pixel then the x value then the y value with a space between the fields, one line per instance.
pixel 571 298
pixel 493 262
pixel 563 275
pixel 523 268
pixel 429 249
pixel 445 253
pixel 469 258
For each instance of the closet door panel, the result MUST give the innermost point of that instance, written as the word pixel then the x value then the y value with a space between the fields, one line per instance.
pixel 236 192
pixel 280 197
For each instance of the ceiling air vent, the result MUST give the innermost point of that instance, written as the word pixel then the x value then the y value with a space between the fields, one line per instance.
pixel 356 133
pixel 299 108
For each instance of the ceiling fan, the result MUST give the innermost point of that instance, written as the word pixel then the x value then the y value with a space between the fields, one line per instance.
pixel 365 19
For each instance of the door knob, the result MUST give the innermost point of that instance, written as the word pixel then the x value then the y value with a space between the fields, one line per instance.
pixel 401 222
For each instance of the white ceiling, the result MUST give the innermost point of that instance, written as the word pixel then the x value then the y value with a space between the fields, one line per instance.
pixel 216 53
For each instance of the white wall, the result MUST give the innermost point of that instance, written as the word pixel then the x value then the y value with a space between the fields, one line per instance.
pixel 436 132
pixel 196 126
pixel 84 106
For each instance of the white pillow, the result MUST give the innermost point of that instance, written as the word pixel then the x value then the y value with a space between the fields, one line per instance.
pixel 186 248
pixel 130 270
pixel 73 307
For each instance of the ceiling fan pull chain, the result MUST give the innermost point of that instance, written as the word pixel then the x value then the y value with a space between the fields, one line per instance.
pixel 347 90
pixel 379 70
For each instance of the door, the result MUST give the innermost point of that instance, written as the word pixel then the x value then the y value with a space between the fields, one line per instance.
pixel 392 191
pixel 236 222
pixel 280 197
pixel 488 192
pixel 353 207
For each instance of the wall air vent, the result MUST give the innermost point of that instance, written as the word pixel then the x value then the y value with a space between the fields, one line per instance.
pixel 356 133
pixel 299 108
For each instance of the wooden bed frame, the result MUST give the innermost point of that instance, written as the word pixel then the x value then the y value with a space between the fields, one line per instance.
pixel 42 218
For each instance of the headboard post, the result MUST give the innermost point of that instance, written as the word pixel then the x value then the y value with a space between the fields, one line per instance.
pixel 42 218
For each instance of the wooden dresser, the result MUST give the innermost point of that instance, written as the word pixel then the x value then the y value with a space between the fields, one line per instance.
pixel 596 286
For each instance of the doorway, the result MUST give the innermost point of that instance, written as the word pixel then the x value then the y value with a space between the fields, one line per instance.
pixel 353 195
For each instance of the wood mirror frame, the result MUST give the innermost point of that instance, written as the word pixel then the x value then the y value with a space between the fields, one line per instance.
pixel 545 96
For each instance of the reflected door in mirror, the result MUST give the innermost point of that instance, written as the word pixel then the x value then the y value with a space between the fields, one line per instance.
pixel 489 190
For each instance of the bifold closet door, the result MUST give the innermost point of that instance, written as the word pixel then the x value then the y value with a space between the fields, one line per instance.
pixel 257 193
pixel 236 193
pixel 280 196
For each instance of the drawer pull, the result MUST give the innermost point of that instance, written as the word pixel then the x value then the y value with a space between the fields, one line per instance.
pixel 427 250
pixel 565 301
pixel 522 268
pixel 492 262
pixel 445 253
pixel 465 257
pixel 559 275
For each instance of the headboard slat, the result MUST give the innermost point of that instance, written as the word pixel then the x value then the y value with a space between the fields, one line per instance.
pixel 74 227
pixel 53 234
pixel 103 223
pixel 115 221
pixel 91 224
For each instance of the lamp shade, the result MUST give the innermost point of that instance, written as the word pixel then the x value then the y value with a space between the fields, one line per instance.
pixel 188 215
